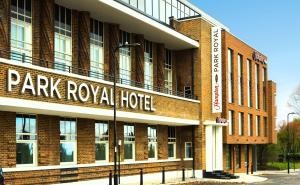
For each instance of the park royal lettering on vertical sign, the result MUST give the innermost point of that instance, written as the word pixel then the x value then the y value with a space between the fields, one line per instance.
pixel 216 35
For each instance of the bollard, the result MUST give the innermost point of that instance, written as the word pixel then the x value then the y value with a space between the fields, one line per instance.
pixel 163 176
pixel 183 174
pixel 141 177
pixel 251 169
pixel 110 177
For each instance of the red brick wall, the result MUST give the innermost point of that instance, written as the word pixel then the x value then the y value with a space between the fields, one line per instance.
pixel 85 141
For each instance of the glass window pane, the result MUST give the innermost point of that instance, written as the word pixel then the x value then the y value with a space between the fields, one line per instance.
pixel 67 151
pixel 101 152
pixel 24 153
pixel 151 150
pixel 171 150
pixel 19 125
pixel 128 151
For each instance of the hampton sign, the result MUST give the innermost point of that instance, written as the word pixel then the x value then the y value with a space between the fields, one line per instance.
pixel 216 69
pixel 49 87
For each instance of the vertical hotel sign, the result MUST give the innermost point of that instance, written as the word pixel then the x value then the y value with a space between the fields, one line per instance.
pixel 216 41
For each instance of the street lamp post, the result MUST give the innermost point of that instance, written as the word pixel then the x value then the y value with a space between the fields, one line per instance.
pixel 289 147
pixel 125 45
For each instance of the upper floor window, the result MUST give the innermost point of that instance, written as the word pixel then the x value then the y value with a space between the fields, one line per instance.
pixel 96 49
pixel 257 89
pixel 172 142
pixel 68 141
pixel 231 123
pixel 168 72
pixel 129 142
pixel 240 79
pixel 101 136
pixel 26 144
pixel 249 83
pixel 148 65
pixel 21 30
pixel 63 39
pixel 162 9
pixel 125 58
pixel 250 125
pixel 152 142
pixel 257 126
pixel 264 79
pixel 265 127
pixel 230 75
pixel 241 123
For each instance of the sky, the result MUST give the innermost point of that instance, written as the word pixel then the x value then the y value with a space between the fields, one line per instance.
pixel 273 28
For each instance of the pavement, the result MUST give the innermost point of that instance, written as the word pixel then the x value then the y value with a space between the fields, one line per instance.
pixel 258 178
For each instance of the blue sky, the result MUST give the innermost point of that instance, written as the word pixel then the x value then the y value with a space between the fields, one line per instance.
pixel 273 28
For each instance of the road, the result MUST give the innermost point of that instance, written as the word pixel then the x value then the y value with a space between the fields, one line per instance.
pixel 280 179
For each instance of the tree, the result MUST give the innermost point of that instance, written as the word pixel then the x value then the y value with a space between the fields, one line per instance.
pixel 294 100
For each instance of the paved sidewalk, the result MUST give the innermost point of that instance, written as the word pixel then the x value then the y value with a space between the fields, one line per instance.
pixel 174 178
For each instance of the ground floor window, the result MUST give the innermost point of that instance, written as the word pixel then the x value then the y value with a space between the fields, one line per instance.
pixel 102 145
pixel 152 142
pixel 26 140
pixel 188 150
pixel 68 141
pixel 129 142
pixel 172 142
pixel 228 157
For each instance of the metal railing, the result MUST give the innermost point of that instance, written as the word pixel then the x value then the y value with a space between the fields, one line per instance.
pixel 91 73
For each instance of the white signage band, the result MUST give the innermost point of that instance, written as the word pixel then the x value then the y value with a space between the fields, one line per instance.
pixel 216 42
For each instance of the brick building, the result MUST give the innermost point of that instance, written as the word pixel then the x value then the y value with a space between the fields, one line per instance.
pixel 175 92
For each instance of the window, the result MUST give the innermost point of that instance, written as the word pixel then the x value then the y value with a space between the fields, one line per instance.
pixel 101 136
pixel 230 76
pixel 250 125
pixel 63 39
pixel 96 49
pixel 26 144
pixel 125 60
pixel 172 142
pixel 249 83
pixel 228 157
pixel 264 78
pixel 265 127
pixel 148 67
pixel 68 141
pixel 187 91
pixel 257 86
pixel 188 150
pixel 257 126
pixel 168 72
pixel 21 30
pixel 241 123
pixel 231 123
pixel 152 142
pixel 240 79
pixel 238 157
pixel 129 142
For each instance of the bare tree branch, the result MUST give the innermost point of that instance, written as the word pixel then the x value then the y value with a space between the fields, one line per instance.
pixel 294 100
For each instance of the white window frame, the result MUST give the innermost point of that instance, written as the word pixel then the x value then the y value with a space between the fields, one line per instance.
pixel 230 75
pixel 148 65
pixel 63 45
pixel 97 45
pixel 172 141
pixel 240 79
pixel 127 141
pixel 70 141
pixel 168 72
pixel 26 44
pixel 257 125
pixel 34 142
pixel 241 124
pixel 185 150
pixel 249 83
pixel 125 59
pixel 152 140
pixel 250 123
pixel 257 86
pixel 104 141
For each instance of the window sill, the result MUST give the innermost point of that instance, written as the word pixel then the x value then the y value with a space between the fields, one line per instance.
pixel 74 165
